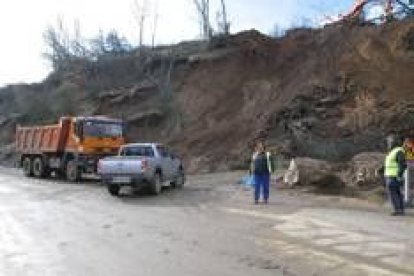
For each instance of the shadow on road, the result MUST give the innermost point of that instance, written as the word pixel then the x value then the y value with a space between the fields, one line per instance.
pixel 185 197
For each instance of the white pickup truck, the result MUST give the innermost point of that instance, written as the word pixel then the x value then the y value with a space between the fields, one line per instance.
pixel 141 165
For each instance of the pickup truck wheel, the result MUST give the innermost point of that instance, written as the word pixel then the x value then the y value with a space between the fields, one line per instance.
pixel 156 185
pixel 27 167
pixel 73 173
pixel 114 190
pixel 39 167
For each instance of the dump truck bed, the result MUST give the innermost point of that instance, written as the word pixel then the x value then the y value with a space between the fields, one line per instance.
pixel 41 139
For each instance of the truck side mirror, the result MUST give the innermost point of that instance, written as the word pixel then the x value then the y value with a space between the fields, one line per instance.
pixel 124 129
pixel 79 129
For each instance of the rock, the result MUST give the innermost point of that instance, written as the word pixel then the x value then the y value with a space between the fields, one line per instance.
pixel 125 93
pixel 110 94
pixel 364 170
pixel 320 175
pixel 291 177
pixel 150 117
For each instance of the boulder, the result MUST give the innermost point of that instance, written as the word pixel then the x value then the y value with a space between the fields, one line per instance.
pixel 364 170
pixel 320 176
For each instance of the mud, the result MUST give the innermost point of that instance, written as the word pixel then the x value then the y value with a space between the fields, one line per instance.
pixel 50 227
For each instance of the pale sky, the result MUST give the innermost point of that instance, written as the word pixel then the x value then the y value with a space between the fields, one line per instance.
pixel 22 23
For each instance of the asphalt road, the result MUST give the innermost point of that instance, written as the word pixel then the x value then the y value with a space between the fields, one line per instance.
pixel 50 227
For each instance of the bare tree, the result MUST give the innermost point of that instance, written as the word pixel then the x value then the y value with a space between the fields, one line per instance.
pixel 162 78
pixel 154 27
pixel 203 10
pixel 78 45
pixel 65 48
pixel 406 7
pixel 116 44
pixel 223 23
pixel 57 41
pixel 140 9
pixel 277 31
pixel 97 45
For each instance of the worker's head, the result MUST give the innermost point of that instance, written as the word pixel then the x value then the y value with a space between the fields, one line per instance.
pixel 260 146
pixel 408 144
pixel 393 140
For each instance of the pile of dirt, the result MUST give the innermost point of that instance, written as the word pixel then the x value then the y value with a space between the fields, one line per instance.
pixel 326 94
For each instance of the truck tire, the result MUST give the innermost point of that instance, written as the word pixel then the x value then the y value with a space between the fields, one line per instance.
pixel 72 171
pixel 114 189
pixel 27 167
pixel 156 184
pixel 39 169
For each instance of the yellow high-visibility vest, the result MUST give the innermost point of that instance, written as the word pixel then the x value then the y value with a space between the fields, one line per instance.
pixel 391 164
pixel 269 162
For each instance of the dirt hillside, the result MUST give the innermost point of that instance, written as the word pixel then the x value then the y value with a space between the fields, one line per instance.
pixel 328 94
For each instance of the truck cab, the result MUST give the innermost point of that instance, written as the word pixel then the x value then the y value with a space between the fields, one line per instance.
pixel 93 138
pixel 97 135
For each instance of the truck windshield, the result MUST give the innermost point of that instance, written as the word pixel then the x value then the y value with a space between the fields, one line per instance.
pixel 102 129
pixel 138 151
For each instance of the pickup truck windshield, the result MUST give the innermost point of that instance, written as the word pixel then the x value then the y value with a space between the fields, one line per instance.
pixel 102 129
pixel 138 151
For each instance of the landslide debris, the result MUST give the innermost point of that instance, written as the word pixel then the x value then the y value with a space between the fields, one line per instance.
pixel 327 94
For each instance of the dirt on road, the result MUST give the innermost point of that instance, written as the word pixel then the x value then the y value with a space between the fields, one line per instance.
pixel 50 227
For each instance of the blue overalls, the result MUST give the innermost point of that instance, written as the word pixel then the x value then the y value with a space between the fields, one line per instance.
pixel 261 172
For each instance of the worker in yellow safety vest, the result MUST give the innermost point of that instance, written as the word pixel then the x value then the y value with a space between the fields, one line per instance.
pixel 262 168
pixel 394 168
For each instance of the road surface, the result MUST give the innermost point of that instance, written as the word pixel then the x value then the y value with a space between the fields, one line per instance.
pixel 50 227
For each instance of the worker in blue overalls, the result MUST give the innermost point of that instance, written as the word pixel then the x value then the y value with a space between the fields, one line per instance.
pixel 394 168
pixel 262 168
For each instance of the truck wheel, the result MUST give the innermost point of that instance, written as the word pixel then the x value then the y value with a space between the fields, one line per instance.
pixel 73 173
pixel 39 168
pixel 156 185
pixel 114 190
pixel 27 167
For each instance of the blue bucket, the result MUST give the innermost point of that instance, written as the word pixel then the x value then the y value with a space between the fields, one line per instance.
pixel 247 181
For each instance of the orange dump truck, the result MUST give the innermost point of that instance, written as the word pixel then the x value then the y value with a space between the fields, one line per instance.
pixel 69 148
